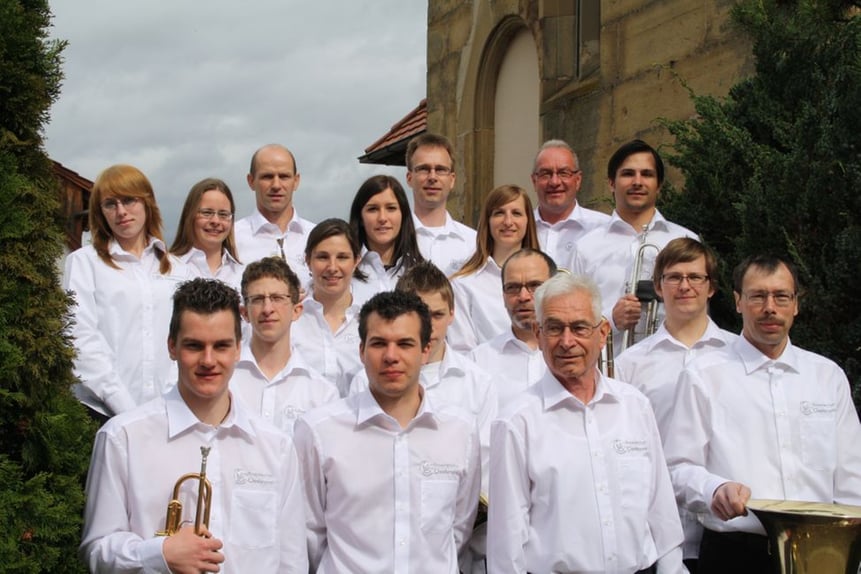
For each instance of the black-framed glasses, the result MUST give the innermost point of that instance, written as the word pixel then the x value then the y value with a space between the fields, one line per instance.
pixel 516 288
pixel 675 279
pixel 580 329
pixel 112 203
pixel 759 298
pixel 425 170
pixel 545 175
pixel 221 214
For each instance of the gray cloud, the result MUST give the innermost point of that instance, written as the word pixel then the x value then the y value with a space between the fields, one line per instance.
pixel 186 90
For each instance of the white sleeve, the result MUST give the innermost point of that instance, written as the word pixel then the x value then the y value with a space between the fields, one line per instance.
pixel 508 508
pixel 94 361
pixel 314 483
pixel 291 524
pixel 466 504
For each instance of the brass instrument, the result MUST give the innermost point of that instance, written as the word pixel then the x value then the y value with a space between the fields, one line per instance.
pixel 811 537
pixel 173 521
pixel 606 359
pixel 644 289
pixel 481 515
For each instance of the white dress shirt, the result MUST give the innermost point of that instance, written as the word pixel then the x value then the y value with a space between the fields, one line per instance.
pixel 286 396
pixel 479 310
pixel 385 499
pixel 786 428
pixel 607 255
pixel 449 246
pixel 580 488
pixel 513 366
pixel 458 381
pixel 379 278
pixel 121 320
pixel 653 366
pixel 257 238
pixel 558 240
pixel 230 271
pixel 257 507
pixel 334 355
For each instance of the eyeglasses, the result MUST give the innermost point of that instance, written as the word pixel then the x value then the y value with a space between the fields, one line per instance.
pixel 579 329
pixel 516 288
pixel 208 214
pixel 675 279
pixel 759 298
pixel 277 299
pixel 545 175
pixel 111 204
pixel 425 170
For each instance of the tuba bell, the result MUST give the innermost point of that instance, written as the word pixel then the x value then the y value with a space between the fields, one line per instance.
pixel 811 537
pixel 173 521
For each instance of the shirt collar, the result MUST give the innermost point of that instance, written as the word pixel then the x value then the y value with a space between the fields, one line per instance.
pixel 554 394
pixel 180 418
pixel 753 359
pixel 258 222
pixel 368 411
pixel 711 336
pixel 451 364
pixel 658 222
pixel 296 363
pixel 153 243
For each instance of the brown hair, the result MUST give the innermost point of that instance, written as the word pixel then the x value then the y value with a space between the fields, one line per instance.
pixel 429 140
pixel 685 250
pixel 425 277
pixel 184 240
pixel 123 181
pixel 500 196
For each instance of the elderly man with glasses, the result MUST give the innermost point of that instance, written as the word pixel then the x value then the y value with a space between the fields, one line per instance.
pixel 760 418
pixel 578 481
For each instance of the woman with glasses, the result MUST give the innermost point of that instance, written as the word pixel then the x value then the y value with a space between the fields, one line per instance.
pixel 122 285
pixel 204 238
pixel 327 332
pixel 382 222
pixel 506 225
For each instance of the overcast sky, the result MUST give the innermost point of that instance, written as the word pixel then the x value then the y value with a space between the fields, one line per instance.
pixel 188 89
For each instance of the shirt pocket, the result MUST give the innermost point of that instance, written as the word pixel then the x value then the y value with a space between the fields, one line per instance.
pixel 819 443
pixel 437 504
pixel 252 518
pixel 635 478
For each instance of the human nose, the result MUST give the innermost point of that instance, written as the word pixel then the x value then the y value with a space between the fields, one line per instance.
pixel 207 358
pixel 567 338
pixel 389 355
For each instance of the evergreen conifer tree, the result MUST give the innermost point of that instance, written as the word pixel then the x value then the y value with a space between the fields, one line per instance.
pixel 45 436
pixel 775 167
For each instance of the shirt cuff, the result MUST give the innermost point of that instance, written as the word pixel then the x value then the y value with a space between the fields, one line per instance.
pixel 151 557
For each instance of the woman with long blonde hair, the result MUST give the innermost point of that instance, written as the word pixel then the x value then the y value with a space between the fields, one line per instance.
pixel 122 285
pixel 506 225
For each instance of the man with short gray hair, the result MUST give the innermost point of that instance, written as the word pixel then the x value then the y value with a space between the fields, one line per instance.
pixel 578 481
pixel 559 218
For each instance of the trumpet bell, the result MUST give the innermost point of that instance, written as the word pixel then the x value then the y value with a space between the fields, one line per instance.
pixel 811 537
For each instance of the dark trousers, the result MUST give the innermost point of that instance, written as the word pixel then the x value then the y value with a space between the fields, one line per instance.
pixel 734 552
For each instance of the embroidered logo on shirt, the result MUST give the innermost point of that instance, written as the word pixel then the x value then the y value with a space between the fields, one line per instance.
pixel 630 446
pixel 293 412
pixel 241 477
pixel 808 408
pixel 432 468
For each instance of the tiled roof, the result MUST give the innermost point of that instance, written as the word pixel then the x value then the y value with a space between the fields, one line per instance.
pixel 390 149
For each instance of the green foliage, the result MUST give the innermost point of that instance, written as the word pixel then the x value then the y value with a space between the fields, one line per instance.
pixel 45 435
pixel 776 167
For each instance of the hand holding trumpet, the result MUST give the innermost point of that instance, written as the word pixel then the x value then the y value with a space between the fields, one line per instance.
pixel 186 552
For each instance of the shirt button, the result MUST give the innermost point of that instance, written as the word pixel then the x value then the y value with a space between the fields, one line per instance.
pixel 403 542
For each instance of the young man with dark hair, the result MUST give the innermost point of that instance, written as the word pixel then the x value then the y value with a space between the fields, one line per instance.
pixel 256 512
pixel 607 254
pixel 391 476
pixel 271 376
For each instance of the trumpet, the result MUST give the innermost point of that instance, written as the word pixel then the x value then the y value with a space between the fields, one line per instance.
pixel 173 521
pixel 644 289
pixel 605 359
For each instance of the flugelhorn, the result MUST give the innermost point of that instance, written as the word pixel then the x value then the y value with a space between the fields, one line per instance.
pixel 606 360
pixel 173 521
pixel 811 537
pixel 644 289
